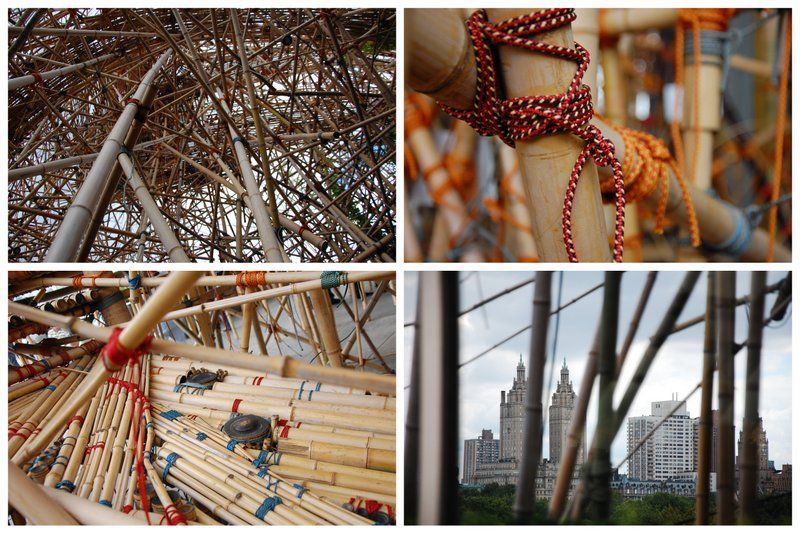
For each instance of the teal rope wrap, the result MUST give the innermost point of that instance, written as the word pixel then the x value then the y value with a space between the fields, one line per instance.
pixel 135 282
pixel 268 505
pixel 171 414
pixel 331 279
pixel 201 436
pixel 231 444
pixel 66 485
pixel 170 461
pixel 271 483
pixel 105 503
pixel 262 472
pixel 300 489
pixel 262 457
pixel 300 392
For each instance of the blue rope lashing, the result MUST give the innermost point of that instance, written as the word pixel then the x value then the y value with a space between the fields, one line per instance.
pixel 231 444
pixel 268 505
pixel 262 472
pixel 262 457
pixel 300 489
pixel 271 483
pixel 300 391
pixel 170 461
pixel 105 503
pixel 66 485
pixel 149 425
pixel 51 387
pixel 171 414
pixel 201 436
pixel 319 385
pixel 192 385
pixel 310 392
pixel 274 458
pixel 329 279
pixel 135 282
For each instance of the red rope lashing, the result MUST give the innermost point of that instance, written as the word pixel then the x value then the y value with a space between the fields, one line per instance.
pixel 78 418
pixel 522 118
pixel 114 356
pixel 235 405
pixel 37 76
pixel 173 515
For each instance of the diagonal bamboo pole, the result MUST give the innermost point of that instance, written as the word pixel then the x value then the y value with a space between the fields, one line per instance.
pixel 67 240
pixel 23 81
pixel 533 432
pixel 703 493
pixel 726 315
pixel 749 464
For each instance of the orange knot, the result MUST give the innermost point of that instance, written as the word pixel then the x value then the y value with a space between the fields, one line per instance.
pixel 646 166
pixel 420 111
pixel 715 19
pixel 251 279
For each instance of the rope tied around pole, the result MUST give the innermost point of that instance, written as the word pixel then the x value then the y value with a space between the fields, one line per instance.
pixel 268 505
pixel 135 282
pixel 77 281
pixel 114 355
pixel 331 279
pixel 645 166
pixel 251 279
pixel 696 20
pixel 522 118
pixel 38 77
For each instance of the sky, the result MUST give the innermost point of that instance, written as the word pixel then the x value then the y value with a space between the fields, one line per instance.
pixel 675 371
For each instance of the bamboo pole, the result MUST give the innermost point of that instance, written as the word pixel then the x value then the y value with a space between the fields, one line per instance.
pixel 68 237
pixel 702 489
pixel 168 239
pixel 437 491
pixel 41 77
pixel 726 293
pixel 280 365
pixel 30 500
pixel 330 337
pixel 131 336
pixel 533 432
pixel 599 472
pixel 749 465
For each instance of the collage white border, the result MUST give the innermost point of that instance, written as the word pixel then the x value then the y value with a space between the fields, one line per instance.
pixel 400 267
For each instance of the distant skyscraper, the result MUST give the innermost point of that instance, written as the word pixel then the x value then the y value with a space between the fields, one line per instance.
pixel 669 451
pixel 512 416
pixel 477 452
pixel 763 466
pixel 561 407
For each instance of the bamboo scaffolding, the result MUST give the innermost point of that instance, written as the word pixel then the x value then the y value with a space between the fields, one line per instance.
pixel 303 110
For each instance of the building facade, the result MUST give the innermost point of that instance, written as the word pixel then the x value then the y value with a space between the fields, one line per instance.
pixel 512 416
pixel 560 418
pixel 477 452
pixel 505 470
pixel 669 451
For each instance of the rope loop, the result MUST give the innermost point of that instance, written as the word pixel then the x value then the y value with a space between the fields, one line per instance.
pixel 523 118
pixel 114 355
pixel 251 278
pixel 171 459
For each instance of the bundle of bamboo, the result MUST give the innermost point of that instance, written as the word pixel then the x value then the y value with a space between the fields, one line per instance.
pixel 146 430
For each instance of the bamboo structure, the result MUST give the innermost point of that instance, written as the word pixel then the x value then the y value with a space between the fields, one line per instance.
pixel 242 134
pixel 729 223
pixel 706 424
pixel 726 291
pixel 167 434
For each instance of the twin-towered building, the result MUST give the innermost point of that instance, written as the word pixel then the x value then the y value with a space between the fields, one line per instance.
pixel 504 468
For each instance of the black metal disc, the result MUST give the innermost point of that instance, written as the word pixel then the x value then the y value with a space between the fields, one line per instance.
pixel 203 378
pixel 247 428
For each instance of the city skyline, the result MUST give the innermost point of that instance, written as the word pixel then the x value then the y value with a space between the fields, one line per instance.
pixel 675 371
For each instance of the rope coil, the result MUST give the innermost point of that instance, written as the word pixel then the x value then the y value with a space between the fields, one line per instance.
pixel 251 279
pixel 522 118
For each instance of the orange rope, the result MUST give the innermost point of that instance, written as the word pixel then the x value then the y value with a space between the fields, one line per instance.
pixel 697 20
pixel 646 166
pixel 780 128
pixel 251 279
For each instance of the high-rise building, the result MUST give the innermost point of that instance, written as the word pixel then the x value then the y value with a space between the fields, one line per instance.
pixel 512 426
pixel 512 416
pixel 669 451
pixel 477 452
pixel 560 418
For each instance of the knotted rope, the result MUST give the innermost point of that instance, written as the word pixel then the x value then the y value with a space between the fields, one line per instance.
pixel 646 166
pixel 114 356
pixel 522 118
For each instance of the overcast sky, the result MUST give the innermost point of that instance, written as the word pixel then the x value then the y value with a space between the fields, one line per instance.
pixel 676 370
